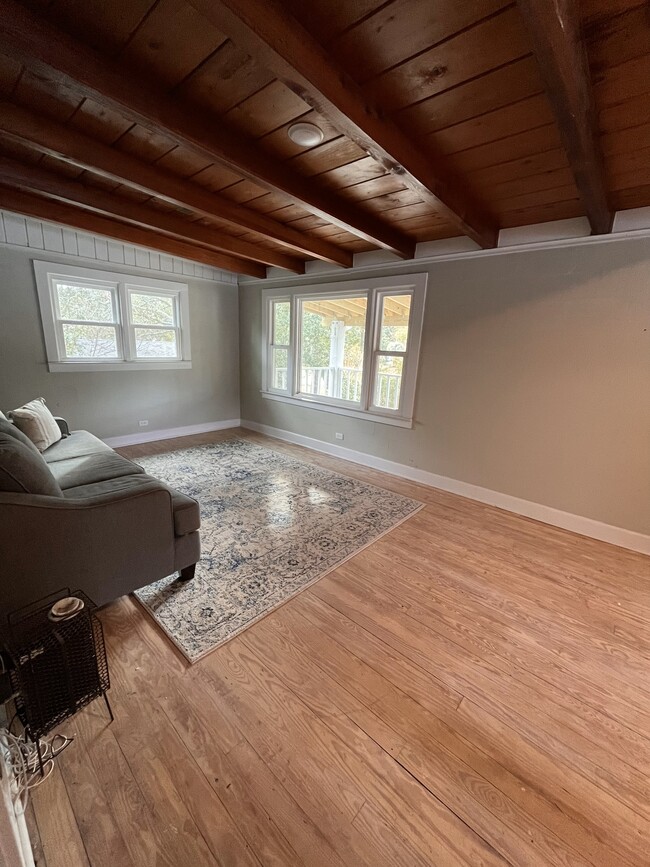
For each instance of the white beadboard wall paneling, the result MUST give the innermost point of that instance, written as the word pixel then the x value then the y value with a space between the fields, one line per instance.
pixel 15 230
pixel 19 231
pixel 35 234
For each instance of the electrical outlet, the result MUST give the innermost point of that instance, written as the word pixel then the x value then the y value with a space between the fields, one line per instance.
pixel 339 436
pixel 143 422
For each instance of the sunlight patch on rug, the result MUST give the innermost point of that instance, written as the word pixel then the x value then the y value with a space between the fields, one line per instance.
pixel 271 525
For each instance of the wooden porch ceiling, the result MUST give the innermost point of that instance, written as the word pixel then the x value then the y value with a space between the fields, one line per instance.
pixel 169 120
pixel 352 311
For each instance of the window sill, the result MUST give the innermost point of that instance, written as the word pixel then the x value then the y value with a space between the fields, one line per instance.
pixel 339 410
pixel 97 366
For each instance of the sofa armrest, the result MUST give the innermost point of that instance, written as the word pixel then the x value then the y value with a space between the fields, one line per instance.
pixel 64 427
pixel 107 545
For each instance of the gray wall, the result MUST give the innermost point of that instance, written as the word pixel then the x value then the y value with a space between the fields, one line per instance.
pixel 108 403
pixel 534 379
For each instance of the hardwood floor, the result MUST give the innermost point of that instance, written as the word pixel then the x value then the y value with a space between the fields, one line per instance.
pixel 472 689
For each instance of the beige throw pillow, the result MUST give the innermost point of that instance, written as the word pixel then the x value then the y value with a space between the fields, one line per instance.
pixel 36 421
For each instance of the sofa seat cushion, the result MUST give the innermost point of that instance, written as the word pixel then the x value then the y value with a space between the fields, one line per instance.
pixel 23 470
pixel 88 469
pixel 187 517
pixel 78 444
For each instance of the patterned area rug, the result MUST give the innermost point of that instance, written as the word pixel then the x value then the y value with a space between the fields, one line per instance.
pixel 271 526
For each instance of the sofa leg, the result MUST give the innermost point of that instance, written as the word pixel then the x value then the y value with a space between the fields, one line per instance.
pixel 187 573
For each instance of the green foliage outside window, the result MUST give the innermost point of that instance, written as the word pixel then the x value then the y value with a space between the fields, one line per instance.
pixel 86 305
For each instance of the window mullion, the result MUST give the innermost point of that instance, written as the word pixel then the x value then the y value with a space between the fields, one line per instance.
pixel 156 327
pixel 92 322
pixel 293 356
pixel 268 344
pixel 368 374
pixel 124 320
pixel 391 353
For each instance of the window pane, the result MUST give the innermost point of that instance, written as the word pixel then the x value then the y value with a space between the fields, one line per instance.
pixel 90 341
pixel 332 341
pixel 87 303
pixel 388 381
pixel 155 343
pixel 149 309
pixel 280 362
pixel 281 322
pixel 395 313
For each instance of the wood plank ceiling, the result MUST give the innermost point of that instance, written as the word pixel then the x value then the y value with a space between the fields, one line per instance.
pixel 166 123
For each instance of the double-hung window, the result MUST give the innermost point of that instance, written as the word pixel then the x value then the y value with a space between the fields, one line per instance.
pixel 100 320
pixel 350 347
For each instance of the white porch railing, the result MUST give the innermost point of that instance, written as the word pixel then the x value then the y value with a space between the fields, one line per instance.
pixel 343 383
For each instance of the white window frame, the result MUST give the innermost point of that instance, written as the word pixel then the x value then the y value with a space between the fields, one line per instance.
pixel 271 344
pixel 121 287
pixel 375 289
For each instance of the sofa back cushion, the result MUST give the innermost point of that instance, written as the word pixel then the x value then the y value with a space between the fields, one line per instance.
pixel 8 427
pixel 36 421
pixel 23 470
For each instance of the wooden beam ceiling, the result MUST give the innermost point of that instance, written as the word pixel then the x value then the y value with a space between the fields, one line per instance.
pixel 554 29
pixel 64 143
pixel 52 185
pixel 31 205
pixel 51 52
pixel 269 33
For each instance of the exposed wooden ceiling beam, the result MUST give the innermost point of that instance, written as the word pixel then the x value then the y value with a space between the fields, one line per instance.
pixel 269 33
pixel 31 205
pixel 554 29
pixel 39 180
pixel 49 51
pixel 57 140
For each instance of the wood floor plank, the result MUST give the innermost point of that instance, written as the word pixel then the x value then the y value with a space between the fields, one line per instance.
pixel 301 670
pixel 59 833
pixel 143 836
pixel 94 815
pixel 435 756
pixel 193 736
pixel 416 644
pixel 314 777
pixel 402 803
pixel 338 722
pixel 34 836
pixel 447 726
pixel 540 670
pixel 471 689
pixel 619 778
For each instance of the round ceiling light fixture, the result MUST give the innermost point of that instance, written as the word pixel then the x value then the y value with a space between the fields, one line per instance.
pixel 307 135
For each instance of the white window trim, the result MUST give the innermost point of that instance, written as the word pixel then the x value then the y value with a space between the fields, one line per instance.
pixel 375 289
pixel 121 285
pixel 270 345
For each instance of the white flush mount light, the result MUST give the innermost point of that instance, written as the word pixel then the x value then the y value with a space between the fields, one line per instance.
pixel 306 135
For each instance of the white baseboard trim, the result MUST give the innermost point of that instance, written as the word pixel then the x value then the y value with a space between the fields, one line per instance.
pixel 546 514
pixel 171 433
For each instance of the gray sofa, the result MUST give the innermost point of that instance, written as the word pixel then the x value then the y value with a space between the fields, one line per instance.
pixel 84 517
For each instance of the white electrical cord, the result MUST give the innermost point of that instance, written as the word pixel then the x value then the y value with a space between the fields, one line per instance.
pixel 15 846
pixel 23 760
